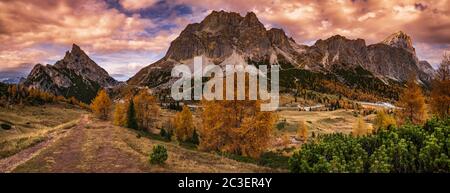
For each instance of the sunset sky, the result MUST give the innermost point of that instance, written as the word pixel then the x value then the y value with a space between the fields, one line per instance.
pixel 123 36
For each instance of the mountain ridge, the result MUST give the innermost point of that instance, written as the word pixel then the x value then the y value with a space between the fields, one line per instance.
pixel 222 35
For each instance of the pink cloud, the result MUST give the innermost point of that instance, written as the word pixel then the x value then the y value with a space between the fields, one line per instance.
pixel 372 20
pixel 98 28
pixel 427 21
pixel 137 4
pixel 88 23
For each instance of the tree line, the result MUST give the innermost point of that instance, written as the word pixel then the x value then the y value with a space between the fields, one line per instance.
pixel 21 95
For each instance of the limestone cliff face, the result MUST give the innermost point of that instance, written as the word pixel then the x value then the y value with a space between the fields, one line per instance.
pixel 400 40
pixel 335 52
pixel 75 75
pixel 221 33
pixel 393 58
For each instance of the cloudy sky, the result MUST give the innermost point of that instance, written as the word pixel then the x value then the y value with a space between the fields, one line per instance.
pixel 125 35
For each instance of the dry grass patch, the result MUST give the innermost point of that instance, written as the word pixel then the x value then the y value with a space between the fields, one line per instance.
pixel 12 144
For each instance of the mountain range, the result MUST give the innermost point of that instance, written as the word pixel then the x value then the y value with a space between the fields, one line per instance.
pixel 228 38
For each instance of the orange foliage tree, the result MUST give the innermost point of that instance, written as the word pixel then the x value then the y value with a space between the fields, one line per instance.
pixel 237 127
pixel 147 109
pixel 360 128
pixel 383 120
pixel 412 103
pixel 120 114
pixel 184 125
pixel 101 105
pixel 302 131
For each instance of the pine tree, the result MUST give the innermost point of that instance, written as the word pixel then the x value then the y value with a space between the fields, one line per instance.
pixel 380 161
pixel 195 138
pixel 412 103
pixel 131 116
pixel 101 105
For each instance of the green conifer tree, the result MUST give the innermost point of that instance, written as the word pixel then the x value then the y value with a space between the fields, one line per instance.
pixel 131 116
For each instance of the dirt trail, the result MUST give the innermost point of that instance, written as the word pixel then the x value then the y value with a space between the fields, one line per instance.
pixel 98 146
pixel 88 147
pixel 10 163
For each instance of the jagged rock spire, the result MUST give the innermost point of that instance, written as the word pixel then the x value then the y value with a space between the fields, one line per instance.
pixel 400 40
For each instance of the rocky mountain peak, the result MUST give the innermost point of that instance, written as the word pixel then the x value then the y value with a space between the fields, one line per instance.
pixel 75 75
pixel 76 49
pixel 400 40
pixel 250 20
pixel 340 38
pixel 78 61
pixel 220 18
pixel 222 33
pixel 277 33
pixel 279 38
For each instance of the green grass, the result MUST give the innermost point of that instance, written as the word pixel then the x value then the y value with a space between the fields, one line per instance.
pixel 146 134
pixel 3 89
pixel 268 159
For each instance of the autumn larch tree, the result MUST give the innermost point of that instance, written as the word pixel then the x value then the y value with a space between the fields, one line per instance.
pixel 235 126
pixel 147 109
pixel 360 128
pixel 184 125
pixel 302 131
pixel 412 103
pixel 120 114
pixel 440 93
pixel 383 120
pixel 101 105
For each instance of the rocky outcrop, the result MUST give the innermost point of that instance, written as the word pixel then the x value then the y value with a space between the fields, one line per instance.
pixel 393 58
pixel 221 33
pixel 400 40
pixel 75 75
pixel 80 63
pixel 335 52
